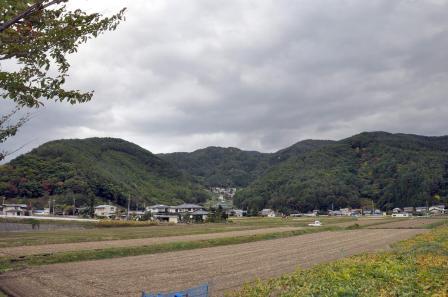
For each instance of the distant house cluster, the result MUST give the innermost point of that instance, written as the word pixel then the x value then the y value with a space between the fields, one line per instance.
pixel 224 193
pixel 355 212
pixel 421 210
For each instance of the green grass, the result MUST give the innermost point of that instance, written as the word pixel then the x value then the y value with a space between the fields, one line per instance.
pixel 7 264
pixel 415 267
pixel 9 239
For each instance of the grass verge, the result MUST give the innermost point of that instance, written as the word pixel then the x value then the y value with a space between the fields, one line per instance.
pixel 415 267
pixel 7 264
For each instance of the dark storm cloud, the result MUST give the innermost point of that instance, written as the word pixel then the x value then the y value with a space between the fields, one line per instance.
pixel 180 75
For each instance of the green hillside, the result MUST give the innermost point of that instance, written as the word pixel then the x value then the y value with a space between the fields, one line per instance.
pixel 394 170
pixel 217 166
pixel 99 168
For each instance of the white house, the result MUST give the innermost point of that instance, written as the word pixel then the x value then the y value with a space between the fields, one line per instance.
pixel 13 210
pixel 105 210
pixel 437 209
pixel 173 214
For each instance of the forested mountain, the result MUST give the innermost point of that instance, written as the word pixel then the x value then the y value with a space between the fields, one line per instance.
pixel 217 166
pixel 96 168
pixel 394 170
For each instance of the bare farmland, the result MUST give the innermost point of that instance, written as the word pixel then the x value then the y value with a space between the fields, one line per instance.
pixel 65 247
pixel 225 267
pixel 412 223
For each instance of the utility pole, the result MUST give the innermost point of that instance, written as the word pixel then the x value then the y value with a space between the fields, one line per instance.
pixel 373 208
pixel 129 207
pixel 74 205
pixel 49 206
pixel 54 202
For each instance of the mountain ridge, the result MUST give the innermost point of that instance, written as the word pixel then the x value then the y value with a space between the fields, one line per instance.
pixel 390 169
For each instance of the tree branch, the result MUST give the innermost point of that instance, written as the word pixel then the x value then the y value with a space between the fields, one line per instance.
pixel 30 10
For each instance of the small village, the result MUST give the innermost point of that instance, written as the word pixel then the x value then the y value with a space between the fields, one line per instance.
pixel 194 213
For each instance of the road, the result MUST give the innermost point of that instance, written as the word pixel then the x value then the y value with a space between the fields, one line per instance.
pixel 225 267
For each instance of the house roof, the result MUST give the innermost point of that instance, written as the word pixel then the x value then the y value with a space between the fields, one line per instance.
pixel 103 206
pixel 159 206
pixel 187 205
pixel 15 205
pixel 13 210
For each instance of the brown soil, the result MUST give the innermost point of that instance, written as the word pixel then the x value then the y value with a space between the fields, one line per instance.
pixel 408 223
pixel 226 267
pixel 363 221
pixel 65 247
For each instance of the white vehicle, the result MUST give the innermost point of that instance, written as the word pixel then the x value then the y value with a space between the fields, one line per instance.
pixel 400 215
pixel 315 224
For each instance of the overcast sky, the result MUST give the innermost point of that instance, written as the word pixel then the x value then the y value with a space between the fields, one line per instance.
pixel 181 75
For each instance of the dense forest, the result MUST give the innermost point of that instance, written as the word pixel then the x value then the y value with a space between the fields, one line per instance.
pixel 96 169
pixel 393 170
pixel 232 167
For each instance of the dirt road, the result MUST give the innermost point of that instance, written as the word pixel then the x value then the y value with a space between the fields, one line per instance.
pixel 226 267
pixel 65 247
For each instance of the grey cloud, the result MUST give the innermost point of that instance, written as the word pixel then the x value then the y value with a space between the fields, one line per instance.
pixel 180 75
